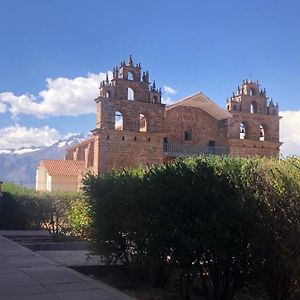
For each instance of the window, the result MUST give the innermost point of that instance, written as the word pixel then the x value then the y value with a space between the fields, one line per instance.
pixel 143 123
pixel 261 133
pixel 242 131
pixel 188 135
pixel 118 121
pixel 253 107
pixel 251 92
pixel 108 94
pixel 130 94
pixel 234 107
pixel 130 76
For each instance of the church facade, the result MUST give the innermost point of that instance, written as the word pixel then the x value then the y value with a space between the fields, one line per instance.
pixel 133 128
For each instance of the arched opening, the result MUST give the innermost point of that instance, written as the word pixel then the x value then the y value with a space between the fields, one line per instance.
pixel 261 133
pixel 251 92
pixel 143 123
pixel 234 107
pixel 130 76
pixel 253 107
pixel 119 121
pixel 242 131
pixel 130 94
pixel 107 94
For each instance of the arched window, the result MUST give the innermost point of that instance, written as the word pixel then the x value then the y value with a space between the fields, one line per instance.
pixel 108 94
pixel 118 121
pixel 242 131
pixel 251 92
pixel 130 76
pixel 261 133
pixel 253 107
pixel 130 94
pixel 143 123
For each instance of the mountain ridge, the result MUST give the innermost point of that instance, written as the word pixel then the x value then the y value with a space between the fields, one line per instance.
pixel 19 165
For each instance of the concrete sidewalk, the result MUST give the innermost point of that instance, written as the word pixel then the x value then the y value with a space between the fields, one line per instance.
pixel 28 276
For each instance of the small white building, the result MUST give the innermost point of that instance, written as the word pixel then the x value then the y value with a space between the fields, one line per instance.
pixel 59 175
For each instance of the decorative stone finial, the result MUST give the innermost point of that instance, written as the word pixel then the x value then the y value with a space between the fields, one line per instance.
pixel 154 85
pixel 130 61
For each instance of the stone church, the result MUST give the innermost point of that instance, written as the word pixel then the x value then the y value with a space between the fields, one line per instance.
pixel 133 128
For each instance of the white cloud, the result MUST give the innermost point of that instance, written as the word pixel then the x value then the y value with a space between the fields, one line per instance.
pixel 169 90
pixel 167 100
pixel 15 137
pixel 62 96
pixel 2 108
pixel 290 133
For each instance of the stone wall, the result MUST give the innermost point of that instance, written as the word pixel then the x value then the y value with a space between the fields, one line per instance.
pixel 119 149
pixel 203 126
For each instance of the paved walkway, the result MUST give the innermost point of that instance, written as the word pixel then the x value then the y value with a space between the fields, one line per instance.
pixel 28 276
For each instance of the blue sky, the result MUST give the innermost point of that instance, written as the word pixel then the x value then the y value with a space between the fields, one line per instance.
pixel 53 53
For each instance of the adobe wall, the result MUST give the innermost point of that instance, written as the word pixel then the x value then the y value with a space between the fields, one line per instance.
pixel 64 183
pixel 204 127
pixel 41 178
pixel 119 149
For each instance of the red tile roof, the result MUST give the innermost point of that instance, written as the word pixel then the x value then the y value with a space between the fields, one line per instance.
pixel 63 167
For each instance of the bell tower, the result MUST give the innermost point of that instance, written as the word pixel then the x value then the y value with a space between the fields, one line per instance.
pixel 130 119
pixel 255 122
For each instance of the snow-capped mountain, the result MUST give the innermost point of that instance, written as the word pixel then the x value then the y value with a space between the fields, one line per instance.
pixel 19 166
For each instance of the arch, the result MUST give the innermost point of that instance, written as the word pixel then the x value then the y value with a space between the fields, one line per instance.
pixel 107 95
pixel 130 76
pixel 119 124
pixel 143 123
pixel 242 131
pixel 261 133
pixel 130 94
pixel 251 92
pixel 253 107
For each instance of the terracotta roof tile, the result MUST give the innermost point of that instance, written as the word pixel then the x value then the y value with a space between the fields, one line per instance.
pixel 63 167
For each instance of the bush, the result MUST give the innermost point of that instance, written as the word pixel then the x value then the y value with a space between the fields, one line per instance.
pixel 8 212
pixel 218 221
pixel 62 214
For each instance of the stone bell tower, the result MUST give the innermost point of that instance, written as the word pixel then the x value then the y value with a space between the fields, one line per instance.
pixel 254 128
pixel 130 120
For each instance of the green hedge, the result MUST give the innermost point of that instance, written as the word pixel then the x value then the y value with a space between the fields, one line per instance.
pixel 224 223
pixel 62 214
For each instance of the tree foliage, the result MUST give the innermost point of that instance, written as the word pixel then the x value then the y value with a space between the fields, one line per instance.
pixel 223 223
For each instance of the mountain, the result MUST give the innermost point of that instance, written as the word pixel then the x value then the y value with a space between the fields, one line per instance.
pixel 19 166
